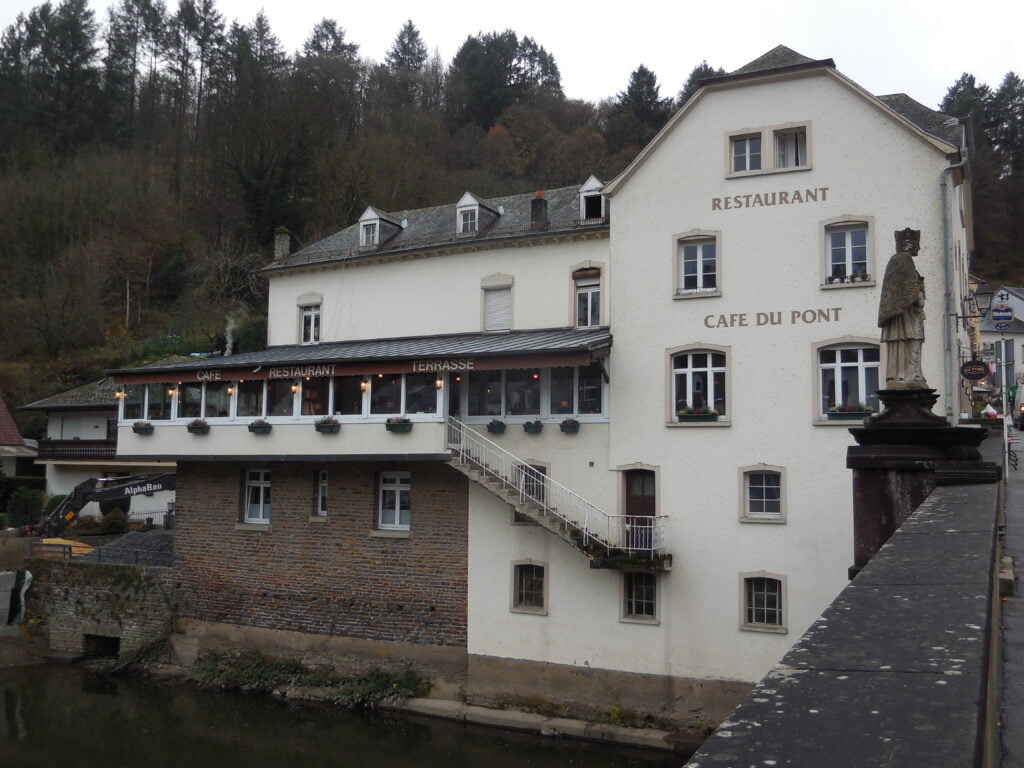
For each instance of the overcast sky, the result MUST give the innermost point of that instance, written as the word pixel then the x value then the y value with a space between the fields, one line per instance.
pixel 887 46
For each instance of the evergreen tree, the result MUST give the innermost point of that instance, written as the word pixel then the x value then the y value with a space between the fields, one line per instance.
pixel 638 113
pixel 702 71
pixel 408 53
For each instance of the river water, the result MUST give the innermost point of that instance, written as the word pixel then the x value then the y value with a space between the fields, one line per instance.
pixel 58 716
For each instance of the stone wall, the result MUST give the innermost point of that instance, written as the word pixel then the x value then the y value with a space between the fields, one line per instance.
pixel 75 598
pixel 333 575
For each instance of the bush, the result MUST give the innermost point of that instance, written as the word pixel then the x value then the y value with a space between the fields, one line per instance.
pixel 108 506
pixel 25 506
pixel 114 521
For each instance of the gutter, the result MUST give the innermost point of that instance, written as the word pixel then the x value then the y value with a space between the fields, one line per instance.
pixel 950 311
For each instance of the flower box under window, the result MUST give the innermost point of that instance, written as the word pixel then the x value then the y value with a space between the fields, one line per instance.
pixel 569 426
pixel 398 425
pixel 328 426
pixel 533 427
pixel 260 427
pixel 857 415
pixel 496 426
pixel 142 428
pixel 198 427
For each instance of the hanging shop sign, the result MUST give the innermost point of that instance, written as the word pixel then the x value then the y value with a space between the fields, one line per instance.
pixel 974 370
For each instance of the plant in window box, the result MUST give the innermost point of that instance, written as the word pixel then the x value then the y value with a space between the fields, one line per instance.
pixel 198 427
pixel 260 426
pixel 398 424
pixel 702 413
pixel 328 425
pixel 830 279
pixel 142 428
pixel 533 427
pixel 849 412
pixel 496 426
pixel 569 426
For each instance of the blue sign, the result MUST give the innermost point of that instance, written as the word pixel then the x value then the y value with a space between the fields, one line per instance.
pixel 1002 314
pixel 1001 326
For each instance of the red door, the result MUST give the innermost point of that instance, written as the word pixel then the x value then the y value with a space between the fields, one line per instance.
pixel 639 508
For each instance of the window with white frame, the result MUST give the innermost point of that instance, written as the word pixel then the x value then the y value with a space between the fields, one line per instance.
pixel 257 496
pixel 310 323
pixel 321 493
pixel 763 603
pixel 159 398
pixel 393 513
pixel 532 392
pixel 588 300
pixel 467 221
pixel 497 308
pixel 133 404
pixel 369 233
pixel 848 377
pixel 576 390
pixel 698 382
pixel 746 153
pixel 791 148
pixel 762 494
pixel 529 587
pixel 250 399
pixel 697 267
pixel 639 593
pixel 846 257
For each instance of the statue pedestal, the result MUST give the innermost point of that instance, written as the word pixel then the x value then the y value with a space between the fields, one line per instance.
pixel 895 461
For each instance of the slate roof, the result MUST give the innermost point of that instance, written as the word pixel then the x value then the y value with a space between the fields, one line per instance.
pixel 404 348
pixel 435 227
pixel 96 395
pixel 780 57
pixel 937 124
pixel 9 434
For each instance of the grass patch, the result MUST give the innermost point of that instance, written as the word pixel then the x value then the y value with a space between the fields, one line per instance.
pixel 379 685
pixel 252 671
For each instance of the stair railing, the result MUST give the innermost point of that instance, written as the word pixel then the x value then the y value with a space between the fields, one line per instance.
pixel 596 527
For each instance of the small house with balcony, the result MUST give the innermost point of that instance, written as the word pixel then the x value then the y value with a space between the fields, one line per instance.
pixel 81 442
pixel 16 452
pixel 555 453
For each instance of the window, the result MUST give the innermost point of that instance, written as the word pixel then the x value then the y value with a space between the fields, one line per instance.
pixel 467 221
pixel 846 252
pixel 576 390
pixel 311 324
pixel 697 269
pixel 763 606
pixel 593 206
pixel 639 591
pixel 321 493
pixel 133 402
pixel 257 496
pixel 848 376
pixel 250 399
pixel 316 397
pixel 746 154
pixel 190 401
pixel 698 382
pixel 588 302
pixel 529 587
pixel 158 401
pixel 281 397
pixel 498 308
pixel 522 392
pixel 761 494
pixel 370 233
pixel 791 148
pixel 394 501
pixel 218 399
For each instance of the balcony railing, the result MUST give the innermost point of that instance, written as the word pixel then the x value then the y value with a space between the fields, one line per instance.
pixel 640 536
pixel 77 449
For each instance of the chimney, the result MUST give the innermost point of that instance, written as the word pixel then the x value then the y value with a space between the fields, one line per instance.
pixel 539 211
pixel 282 243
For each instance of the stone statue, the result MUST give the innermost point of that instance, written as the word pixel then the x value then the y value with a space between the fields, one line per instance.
pixel 901 315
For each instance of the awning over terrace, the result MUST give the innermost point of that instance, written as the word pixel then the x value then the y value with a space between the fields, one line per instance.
pixel 419 354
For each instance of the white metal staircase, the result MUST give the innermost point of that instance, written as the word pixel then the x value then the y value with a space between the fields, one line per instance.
pixel 610 541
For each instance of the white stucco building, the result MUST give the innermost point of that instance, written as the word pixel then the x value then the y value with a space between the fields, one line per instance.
pixel 709 342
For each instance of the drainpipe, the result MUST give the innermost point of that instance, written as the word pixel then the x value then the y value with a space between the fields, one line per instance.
pixel 950 311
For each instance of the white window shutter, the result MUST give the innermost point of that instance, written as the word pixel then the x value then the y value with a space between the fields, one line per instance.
pixel 497 309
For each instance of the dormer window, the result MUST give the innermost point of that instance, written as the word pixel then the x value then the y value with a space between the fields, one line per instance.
pixel 467 221
pixel 592 203
pixel 369 234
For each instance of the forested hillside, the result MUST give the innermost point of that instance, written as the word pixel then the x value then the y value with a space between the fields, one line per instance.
pixel 147 157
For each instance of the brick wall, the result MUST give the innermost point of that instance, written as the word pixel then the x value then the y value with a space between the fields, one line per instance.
pixel 76 598
pixel 330 576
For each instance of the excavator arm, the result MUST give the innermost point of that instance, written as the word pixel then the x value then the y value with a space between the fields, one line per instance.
pixel 96 489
